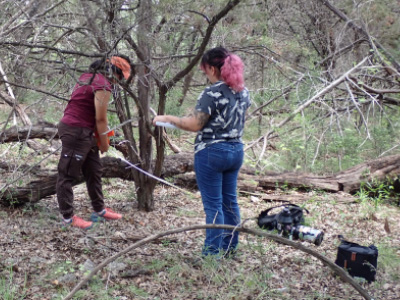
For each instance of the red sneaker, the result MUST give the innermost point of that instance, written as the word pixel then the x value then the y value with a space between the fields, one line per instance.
pixel 78 223
pixel 107 214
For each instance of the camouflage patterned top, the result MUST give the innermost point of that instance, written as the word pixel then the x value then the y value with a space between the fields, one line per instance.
pixel 227 110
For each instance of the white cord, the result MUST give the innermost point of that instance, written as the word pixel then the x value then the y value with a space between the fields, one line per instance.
pixel 155 177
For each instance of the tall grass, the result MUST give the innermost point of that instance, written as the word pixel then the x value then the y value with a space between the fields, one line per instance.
pixel 9 289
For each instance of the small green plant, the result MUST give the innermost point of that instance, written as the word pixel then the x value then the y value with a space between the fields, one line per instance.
pixel 138 292
pixel 376 192
pixel 65 268
pixel 9 290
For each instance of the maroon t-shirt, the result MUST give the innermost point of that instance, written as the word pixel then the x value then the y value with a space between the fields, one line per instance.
pixel 80 111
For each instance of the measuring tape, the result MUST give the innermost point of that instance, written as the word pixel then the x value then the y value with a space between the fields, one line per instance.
pixel 131 165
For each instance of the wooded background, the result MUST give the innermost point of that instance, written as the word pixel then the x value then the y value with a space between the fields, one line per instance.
pixel 324 78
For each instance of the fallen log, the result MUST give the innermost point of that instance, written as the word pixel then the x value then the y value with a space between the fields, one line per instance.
pixel 246 182
pixel 349 181
pixel 113 167
pixel 44 130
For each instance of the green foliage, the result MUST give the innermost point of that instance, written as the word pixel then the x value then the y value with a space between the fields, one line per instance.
pixel 172 106
pixel 64 268
pixel 138 292
pixel 9 290
pixel 319 147
pixel 375 193
pixel 389 260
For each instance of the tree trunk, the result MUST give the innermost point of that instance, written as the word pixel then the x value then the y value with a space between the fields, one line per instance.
pixel 145 185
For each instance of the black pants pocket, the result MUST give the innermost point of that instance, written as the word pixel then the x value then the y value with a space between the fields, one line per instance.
pixel 70 163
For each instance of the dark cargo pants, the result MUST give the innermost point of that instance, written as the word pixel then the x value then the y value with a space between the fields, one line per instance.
pixel 79 154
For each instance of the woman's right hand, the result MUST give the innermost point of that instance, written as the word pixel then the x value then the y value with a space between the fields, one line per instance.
pixel 103 147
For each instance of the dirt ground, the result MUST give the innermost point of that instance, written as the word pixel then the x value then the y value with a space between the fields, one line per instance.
pixel 40 260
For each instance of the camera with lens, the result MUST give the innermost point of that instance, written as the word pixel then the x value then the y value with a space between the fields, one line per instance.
pixel 289 223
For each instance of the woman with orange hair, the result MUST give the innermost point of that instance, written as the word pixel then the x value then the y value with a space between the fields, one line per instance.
pixel 85 114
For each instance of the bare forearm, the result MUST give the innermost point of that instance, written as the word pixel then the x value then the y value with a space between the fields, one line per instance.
pixel 102 127
pixel 101 104
pixel 195 121
pixel 183 123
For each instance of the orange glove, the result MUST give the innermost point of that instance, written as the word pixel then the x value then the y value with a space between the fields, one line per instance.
pixel 110 133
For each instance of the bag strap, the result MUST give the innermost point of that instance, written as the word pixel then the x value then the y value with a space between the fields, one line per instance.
pixel 294 206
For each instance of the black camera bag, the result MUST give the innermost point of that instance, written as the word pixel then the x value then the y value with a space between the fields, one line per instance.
pixel 269 221
pixel 359 261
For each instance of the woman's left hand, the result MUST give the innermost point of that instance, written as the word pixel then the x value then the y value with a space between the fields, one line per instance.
pixel 159 119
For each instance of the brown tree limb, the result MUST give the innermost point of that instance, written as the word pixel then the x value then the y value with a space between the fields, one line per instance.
pixel 54 49
pixel 31 88
pixel 348 181
pixel 15 106
pixel 297 245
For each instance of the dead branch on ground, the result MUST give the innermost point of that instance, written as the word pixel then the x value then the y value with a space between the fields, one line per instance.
pixel 338 270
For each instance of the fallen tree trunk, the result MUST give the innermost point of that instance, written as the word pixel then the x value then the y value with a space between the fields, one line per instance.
pixel 46 131
pixel 348 181
pixel 45 184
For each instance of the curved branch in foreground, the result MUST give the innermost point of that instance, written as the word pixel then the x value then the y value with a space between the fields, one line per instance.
pixel 338 270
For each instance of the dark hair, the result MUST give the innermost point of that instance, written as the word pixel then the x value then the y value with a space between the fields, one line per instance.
pixel 103 66
pixel 229 65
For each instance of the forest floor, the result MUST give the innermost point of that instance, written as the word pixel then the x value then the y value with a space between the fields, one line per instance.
pixel 40 260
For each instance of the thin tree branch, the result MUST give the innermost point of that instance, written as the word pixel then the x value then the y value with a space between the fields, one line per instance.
pixel 204 43
pixel 34 89
pixel 33 46
pixel 320 94
pixel 353 25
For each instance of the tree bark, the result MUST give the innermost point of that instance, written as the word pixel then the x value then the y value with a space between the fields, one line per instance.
pixel 145 185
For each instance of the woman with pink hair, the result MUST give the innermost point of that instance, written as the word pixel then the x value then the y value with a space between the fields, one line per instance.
pixel 218 119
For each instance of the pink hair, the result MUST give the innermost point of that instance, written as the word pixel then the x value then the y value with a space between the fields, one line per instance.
pixel 232 72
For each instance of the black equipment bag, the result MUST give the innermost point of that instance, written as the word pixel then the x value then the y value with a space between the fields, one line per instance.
pixel 359 261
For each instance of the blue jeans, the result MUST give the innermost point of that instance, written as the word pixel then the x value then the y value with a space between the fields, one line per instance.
pixel 217 168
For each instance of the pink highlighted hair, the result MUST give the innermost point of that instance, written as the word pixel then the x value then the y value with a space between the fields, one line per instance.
pixel 230 66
